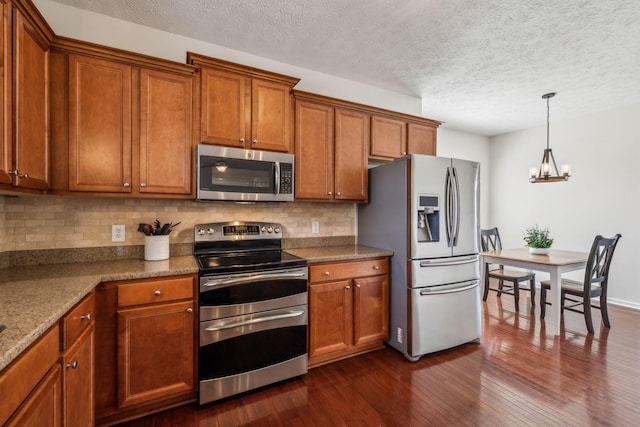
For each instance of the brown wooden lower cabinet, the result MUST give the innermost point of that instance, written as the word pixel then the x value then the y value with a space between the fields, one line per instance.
pixel 42 407
pixel 145 347
pixel 348 309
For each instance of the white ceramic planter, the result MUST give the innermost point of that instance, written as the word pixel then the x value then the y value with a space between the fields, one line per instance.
pixel 539 251
pixel 156 248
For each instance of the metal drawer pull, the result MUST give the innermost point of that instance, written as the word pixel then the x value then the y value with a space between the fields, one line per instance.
pixel 255 320
pixel 157 293
pixel 86 317
pixel 189 310
pixel 249 279
pixel 73 365
pixel 376 267
pixel 326 273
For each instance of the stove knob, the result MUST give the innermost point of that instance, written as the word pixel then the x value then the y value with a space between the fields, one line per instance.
pixel 270 229
pixel 210 230
pixel 277 229
pixel 263 229
pixel 201 231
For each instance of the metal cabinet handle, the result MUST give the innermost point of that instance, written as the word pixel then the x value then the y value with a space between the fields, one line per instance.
pixel 255 141
pixel 330 193
pixel 156 293
pixel 143 185
pixel 126 185
pixel 242 140
pixel 358 286
pixel 86 316
pixel 376 267
pixel 347 287
pixel 326 273
pixel 73 365
pixel 189 310
pixel 17 173
pixel 338 193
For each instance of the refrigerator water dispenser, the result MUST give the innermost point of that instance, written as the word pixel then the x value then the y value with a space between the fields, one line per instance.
pixel 428 218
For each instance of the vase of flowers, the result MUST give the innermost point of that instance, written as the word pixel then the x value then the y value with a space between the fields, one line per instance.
pixel 538 240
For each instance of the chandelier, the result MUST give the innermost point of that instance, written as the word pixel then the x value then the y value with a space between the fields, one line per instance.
pixel 543 173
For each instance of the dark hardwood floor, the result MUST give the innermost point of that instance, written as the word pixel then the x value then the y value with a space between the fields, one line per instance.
pixel 516 376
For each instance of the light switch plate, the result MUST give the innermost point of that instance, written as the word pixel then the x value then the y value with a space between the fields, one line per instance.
pixel 315 227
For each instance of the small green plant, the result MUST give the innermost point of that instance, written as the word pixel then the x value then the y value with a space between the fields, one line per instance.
pixel 537 237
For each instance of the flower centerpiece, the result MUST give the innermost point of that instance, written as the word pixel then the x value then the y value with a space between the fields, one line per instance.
pixel 538 240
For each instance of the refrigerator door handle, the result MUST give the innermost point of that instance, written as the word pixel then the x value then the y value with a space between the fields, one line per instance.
pixel 459 287
pixel 449 207
pixel 438 263
pixel 456 203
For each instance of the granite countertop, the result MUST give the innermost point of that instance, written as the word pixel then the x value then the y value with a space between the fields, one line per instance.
pixel 338 253
pixel 34 298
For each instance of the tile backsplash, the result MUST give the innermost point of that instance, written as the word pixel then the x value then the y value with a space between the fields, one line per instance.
pixel 53 222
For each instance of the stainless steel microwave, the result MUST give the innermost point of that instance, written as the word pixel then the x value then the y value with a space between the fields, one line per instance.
pixel 243 175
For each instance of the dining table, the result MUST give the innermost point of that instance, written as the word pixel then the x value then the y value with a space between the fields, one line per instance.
pixel 556 262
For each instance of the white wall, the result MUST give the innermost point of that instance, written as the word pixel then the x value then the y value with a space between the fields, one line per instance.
pixel 92 27
pixel 601 197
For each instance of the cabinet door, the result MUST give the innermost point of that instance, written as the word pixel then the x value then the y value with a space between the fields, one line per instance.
pixel 421 139
pixel 225 108
pixel 351 144
pixel 314 151
pixel 31 98
pixel 388 137
pixel 78 382
pixel 330 318
pixel 42 407
pixel 6 162
pixel 270 116
pixel 155 352
pixel 99 125
pixel 370 309
pixel 165 133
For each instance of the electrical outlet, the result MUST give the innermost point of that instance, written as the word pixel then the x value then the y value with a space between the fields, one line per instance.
pixel 399 335
pixel 117 233
pixel 315 227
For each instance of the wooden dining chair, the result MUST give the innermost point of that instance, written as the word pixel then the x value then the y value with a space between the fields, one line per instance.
pixel 490 241
pixel 575 295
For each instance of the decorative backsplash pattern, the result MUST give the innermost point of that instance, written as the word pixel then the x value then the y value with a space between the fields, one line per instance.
pixel 53 222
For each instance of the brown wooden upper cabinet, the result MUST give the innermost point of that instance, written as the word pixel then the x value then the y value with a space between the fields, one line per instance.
pixel 24 98
pixel 392 138
pixel 331 151
pixel 129 129
pixel 244 107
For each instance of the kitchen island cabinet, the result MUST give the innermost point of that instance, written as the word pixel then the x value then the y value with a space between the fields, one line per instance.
pixel 348 308
pixel 331 151
pixel 127 128
pixel 244 107
pixel 24 98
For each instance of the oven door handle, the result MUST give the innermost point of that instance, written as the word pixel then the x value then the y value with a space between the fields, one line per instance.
pixel 255 320
pixel 254 278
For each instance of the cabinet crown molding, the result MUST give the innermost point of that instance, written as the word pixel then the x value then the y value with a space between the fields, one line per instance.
pixel 367 109
pixel 219 64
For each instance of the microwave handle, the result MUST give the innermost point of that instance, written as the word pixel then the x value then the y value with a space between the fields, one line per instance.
pixel 276 167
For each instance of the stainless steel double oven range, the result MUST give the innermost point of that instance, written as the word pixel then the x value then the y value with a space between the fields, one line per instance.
pixel 253 308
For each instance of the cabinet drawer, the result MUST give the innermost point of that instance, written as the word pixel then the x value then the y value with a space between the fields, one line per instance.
pixel 77 320
pixel 17 381
pixel 154 291
pixel 348 270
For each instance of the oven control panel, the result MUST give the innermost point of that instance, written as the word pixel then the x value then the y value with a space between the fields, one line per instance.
pixel 237 230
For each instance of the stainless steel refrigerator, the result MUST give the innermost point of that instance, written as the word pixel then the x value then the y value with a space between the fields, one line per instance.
pixel 425 209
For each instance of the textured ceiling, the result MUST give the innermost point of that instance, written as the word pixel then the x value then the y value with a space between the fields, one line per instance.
pixel 479 65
